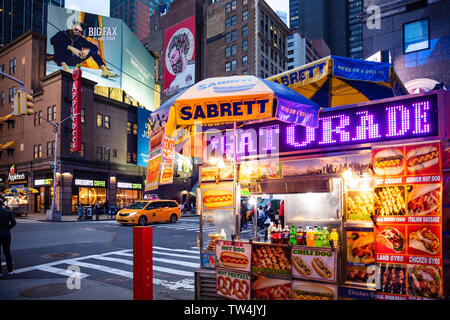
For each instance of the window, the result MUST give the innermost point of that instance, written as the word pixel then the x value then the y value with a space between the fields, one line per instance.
pixel 99 153
pixel 227 37
pixel 54 112
pixel 135 129
pixel 233 20
pixel 416 36
pixel 227 22
pixel 227 52
pixel 233 35
pixel 83 111
pixel 228 7
pixel 244 45
pixel 107 154
pixel 40 150
pixel 99 120
pixel 35 153
pixel 244 31
pixel 49 148
pixel 233 49
pixel 245 72
pixel 227 67
pixel 233 5
pixel 244 15
pixel 233 64
pixel 128 127
pixel 3 98
pixel 107 122
pixel 14 65
pixel 244 61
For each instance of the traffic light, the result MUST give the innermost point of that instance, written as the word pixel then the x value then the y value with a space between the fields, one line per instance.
pixel 16 105
pixel 26 103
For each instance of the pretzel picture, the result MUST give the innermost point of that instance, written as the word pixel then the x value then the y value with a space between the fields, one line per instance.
pixel 240 289
pixel 232 287
pixel 224 285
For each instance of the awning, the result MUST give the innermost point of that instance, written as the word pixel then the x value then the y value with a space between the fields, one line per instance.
pixel 8 145
pixel 9 117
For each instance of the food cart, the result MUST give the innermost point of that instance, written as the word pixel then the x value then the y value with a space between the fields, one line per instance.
pixel 373 171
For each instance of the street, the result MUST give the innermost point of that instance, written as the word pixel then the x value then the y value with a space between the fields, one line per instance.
pixel 45 255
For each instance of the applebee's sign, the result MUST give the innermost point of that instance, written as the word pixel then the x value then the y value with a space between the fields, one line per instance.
pixel 76 110
pixel 16 178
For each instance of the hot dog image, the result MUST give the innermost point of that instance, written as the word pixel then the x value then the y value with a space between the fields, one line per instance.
pixel 226 173
pixel 217 198
pixel 421 158
pixel 388 162
pixel 424 200
pixel 271 289
pixel 234 260
pixel 301 266
pixel 321 268
pixel 306 291
pixel 424 240
pixel 156 137
pixel 392 238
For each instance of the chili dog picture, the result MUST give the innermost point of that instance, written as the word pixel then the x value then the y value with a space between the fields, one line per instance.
pixel 423 159
pixel 388 162
pixel 313 263
pixel 233 255
pixel 424 199
pixel 217 196
pixel 233 285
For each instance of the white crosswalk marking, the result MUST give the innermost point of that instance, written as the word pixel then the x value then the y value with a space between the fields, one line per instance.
pixel 179 262
pixel 28 221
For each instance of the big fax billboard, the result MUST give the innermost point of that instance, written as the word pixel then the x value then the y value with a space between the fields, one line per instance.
pixel 108 52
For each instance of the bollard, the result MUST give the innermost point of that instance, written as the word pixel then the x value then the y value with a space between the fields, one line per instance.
pixel 142 263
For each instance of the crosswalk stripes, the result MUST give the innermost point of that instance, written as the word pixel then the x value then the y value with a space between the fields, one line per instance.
pixel 28 221
pixel 179 262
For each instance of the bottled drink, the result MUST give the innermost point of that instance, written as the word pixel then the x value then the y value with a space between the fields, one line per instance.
pixel 326 237
pixel 334 238
pixel 293 236
pixel 270 232
pixel 310 237
pixel 278 234
pixel 299 235
pixel 223 235
pixel 285 235
pixel 304 237
pixel 318 237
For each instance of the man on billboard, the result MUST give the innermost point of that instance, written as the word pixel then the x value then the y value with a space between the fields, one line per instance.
pixel 71 48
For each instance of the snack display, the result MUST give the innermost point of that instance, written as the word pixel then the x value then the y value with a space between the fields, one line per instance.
pixel 392 239
pixel 360 205
pixel 217 198
pixel 311 291
pixel 301 266
pixel 425 281
pixel 393 278
pixel 424 199
pixel 424 240
pixel 390 201
pixel 212 242
pixel 271 289
pixel 421 158
pixel 388 162
pixel 271 259
pixel 233 260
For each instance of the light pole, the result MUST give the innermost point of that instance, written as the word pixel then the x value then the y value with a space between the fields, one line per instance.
pixel 56 216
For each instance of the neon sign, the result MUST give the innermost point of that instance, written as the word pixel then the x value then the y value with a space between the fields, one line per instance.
pixel 389 121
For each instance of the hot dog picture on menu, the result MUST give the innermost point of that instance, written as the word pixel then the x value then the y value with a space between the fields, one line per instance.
pixel 217 196
pixel 313 264
pixel 422 159
pixel 388 162
pixel 233 255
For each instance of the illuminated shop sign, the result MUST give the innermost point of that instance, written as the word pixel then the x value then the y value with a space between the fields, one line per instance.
pixel 90 183
pixel 129 185
pixel 42 182
pixel 395 120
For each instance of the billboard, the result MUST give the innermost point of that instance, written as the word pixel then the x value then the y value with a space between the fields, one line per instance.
pixel 143 117
pixel 109 53
pixel 179 56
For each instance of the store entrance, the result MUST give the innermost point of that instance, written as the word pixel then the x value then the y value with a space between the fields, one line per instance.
pixel 90 196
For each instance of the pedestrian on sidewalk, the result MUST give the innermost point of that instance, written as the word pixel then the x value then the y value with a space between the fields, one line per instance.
pixel 7 222
pixel 98 210
pixel 80 213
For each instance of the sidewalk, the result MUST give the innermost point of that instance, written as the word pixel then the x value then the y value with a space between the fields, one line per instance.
pixel 74 217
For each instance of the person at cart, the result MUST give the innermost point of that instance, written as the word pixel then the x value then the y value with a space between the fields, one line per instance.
pixel 261 217
pixel 243 216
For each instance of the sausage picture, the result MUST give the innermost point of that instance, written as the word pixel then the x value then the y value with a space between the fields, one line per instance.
pixel 301 266
pixel 322 268
pixel 388 162
pixel 422 158
pixel 217 198
pixel 233 260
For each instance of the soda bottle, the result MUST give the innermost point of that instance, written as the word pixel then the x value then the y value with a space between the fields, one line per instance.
pixel 326 237
pixel 318 237
pixel 270 232
pixel 223 235
pixel 293 236
pixel 285 235
pixel 304 237
pixel 278 234
pixel 310 237
pixel 299 235
pixel 334 238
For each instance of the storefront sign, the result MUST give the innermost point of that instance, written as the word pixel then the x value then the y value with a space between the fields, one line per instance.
pixel 76 110
pixel 15 178
pixel 407 118
pixel 90 183
pixel 129 185
pixel 43 182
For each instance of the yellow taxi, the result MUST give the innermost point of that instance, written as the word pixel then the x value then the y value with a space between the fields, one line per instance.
pixel 146 211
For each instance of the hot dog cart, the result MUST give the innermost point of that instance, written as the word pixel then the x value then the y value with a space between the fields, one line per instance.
pixel 376 172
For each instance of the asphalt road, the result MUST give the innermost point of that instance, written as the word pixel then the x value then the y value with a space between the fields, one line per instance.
pixel 46 255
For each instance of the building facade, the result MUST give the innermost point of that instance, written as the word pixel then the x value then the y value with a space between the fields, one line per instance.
pixel 415 36
pixel 300 50
pixel 18 17
pixel 103 171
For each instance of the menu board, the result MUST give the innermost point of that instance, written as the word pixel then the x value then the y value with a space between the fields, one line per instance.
pixel 209 174
pixel 314 263
pixel 217 196
pixel 302 290
pixel 233 285
pixel 233 255
pixel 408 215
pixel 270 259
